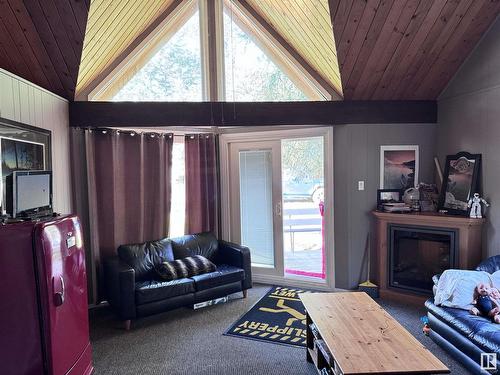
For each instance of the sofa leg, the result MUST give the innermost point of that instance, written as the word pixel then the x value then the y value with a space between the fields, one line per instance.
pixel 245 293
pixel 127 324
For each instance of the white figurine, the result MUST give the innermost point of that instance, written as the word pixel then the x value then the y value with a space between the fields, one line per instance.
pixel 475 206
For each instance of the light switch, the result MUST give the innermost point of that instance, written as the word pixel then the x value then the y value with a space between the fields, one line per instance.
pixel 361 185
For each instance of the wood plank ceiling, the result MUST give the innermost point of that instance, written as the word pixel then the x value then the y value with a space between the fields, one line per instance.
pixel 112 26
pixel 307 27
pixel 405 49
pixel 41 41
pixel 383 49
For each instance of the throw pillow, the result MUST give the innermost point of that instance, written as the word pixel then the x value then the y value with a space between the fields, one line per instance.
pixel 184 267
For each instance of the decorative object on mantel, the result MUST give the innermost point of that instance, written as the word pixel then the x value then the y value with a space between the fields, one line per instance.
pixel 438 169
pixel 429 197
pixel 412 198
pixel 391 200
pixel 461 179
pixel 399 167
pixel 475 206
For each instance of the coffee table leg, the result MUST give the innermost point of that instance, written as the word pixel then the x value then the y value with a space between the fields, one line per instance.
pixel 309 338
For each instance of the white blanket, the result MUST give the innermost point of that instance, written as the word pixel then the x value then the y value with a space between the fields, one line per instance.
pixel 455 288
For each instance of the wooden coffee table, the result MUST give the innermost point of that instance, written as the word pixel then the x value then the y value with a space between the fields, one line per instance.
pixel 354 335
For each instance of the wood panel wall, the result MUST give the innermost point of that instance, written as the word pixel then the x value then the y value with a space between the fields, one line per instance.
pixel 27 103
pixel 112 26
pixel 405 49
pixel 42 41
pixel 306 27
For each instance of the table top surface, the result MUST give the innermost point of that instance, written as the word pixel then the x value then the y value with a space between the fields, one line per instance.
pixel 364 339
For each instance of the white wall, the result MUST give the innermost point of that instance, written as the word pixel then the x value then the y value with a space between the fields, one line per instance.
pixel 25 102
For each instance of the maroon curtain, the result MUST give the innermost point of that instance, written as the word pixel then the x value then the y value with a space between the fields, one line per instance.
pixel 202 188
pixel 124 193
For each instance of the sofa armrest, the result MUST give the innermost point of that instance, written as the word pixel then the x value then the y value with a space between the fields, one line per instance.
pixel 119 280
pixel 237 256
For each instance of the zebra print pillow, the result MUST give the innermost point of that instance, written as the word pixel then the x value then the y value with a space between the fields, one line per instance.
pixel 185 267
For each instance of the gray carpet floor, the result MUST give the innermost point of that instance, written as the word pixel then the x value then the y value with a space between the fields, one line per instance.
pixel 187 341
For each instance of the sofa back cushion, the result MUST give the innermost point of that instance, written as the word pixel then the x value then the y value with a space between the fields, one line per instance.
pixel 204 244
pixel 145 256
pixel 490 265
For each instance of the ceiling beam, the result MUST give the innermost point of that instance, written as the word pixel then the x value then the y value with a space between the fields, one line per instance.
pixel 162 114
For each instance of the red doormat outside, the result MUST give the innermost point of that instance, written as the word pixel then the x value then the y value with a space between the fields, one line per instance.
pixel 278 317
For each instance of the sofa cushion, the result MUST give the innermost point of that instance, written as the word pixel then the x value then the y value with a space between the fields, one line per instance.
pixel 223 275
pixel 150 291
pixel 144 256
pixel 490 265
pixel 204 244
pixel 185 267
pixel 481 331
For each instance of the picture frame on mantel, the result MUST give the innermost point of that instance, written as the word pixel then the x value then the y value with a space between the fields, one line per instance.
pixel 399 167
pixel 460 182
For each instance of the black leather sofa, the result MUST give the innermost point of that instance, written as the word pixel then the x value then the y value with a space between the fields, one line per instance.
pixel 134 290
pixel 462 334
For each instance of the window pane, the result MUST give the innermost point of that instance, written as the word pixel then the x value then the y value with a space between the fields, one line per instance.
pixel 250 75
pixel 177 210
pixel 303 204
pixel 256 205
pixel 173 73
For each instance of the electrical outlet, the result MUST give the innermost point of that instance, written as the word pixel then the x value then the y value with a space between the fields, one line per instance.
pixel 361 185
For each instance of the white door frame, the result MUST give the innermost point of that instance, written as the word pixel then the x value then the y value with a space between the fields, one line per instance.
pixel 225 140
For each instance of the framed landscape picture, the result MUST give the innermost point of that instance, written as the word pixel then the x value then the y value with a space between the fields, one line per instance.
pixel 460 182
pixel 398 167
pixel 21 155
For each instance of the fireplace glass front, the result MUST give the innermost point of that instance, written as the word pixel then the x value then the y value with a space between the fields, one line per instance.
pixel 418 253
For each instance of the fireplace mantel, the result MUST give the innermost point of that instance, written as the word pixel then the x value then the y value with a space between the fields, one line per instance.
pixel 469 243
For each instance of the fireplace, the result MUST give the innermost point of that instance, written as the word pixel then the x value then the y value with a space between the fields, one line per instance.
pixel 416 253
pixel 425 244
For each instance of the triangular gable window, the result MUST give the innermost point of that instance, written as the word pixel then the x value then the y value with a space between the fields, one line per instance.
pixel 173 73
pixel 172 64
pixel 250 74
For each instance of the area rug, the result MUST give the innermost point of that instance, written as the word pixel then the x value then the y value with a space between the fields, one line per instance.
pixel 278 317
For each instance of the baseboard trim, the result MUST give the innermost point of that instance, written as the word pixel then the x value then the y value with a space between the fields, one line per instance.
pixel 295 282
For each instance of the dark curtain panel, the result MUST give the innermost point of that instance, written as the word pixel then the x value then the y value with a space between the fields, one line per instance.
pixel 123 191
pixel 202 188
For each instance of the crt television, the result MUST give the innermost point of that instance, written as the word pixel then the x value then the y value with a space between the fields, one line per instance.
pixel 29 193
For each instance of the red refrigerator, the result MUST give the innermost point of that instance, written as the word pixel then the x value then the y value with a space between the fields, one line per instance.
pixel 44 325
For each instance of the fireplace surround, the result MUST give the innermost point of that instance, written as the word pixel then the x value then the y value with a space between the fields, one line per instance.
pixel 411 248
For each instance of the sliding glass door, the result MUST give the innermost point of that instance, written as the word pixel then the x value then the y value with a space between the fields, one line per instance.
pixel 277 205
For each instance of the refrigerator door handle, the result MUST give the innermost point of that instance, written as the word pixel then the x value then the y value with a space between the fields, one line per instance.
pixel 59 296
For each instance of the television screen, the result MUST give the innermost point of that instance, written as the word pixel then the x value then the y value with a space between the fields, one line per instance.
pixel 29 193
pixel 33 191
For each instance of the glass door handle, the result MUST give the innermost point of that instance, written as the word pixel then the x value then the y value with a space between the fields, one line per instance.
pixel 278 209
